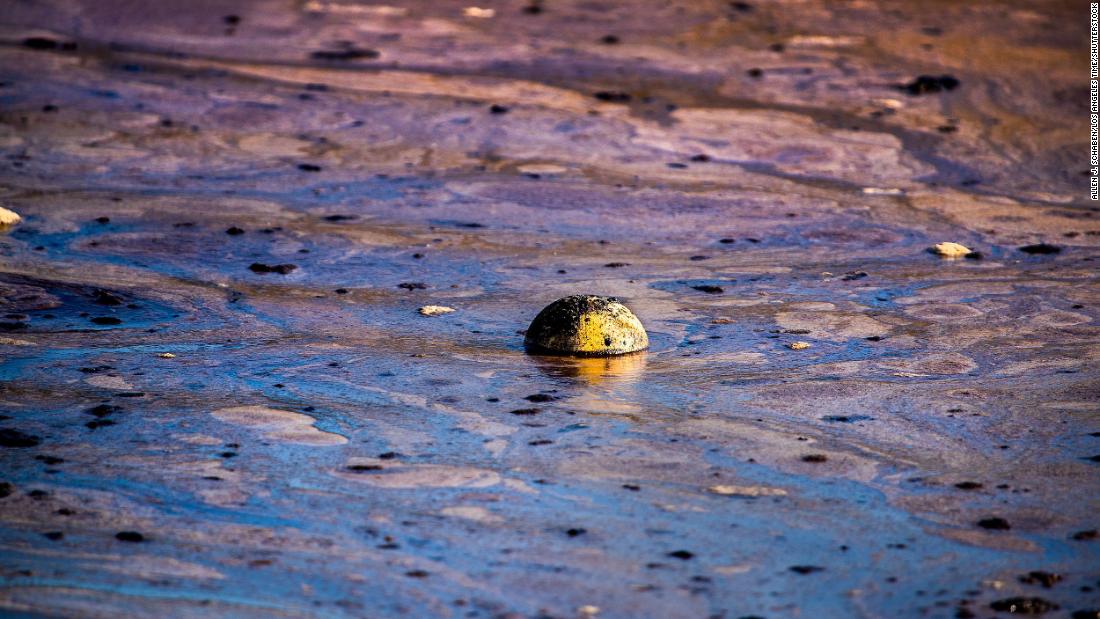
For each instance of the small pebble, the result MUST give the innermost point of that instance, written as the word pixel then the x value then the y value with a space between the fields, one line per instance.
pixel 948 249
pixel 8 217
pixel 435 310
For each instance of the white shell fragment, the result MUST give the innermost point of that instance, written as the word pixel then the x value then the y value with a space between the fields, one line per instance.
pixel 8 217
pixel 950 250
pixel 435 310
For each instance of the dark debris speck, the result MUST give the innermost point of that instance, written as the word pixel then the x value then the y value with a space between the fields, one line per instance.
pixel 281 269
pixel 994 524
pixel 927 84
pixel 1040 249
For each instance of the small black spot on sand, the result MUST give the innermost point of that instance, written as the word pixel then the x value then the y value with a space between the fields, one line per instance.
pixel 39 43
pixel 363 468
pixel 540 397
pixel 413 286
pixel 103 220
pixel 854 275
pixel 102 297
pixel 700 158
pixel 51 460
pixel 575 532
pixel 341 291
pixel 54 535
pixel 344 55
pixel 234 231
pixel 281 269
pixel 609 39
pixel 496 108
pixel 817 458
pixel 10 437
pixel 525 411
pixel 632 487
pixel 99 423
pixel 102 410
pixel 682 555
pixel 539 442
pixel 806 569
pixel 1085 536
pixel 755 73
pixel 709 289
pixel 339 217
pixel 968 485
pixel 43 43
pixel 129 536
pixel 6 489
pixel 994 524
pixel 1039 577
pixel 309 167
pixel 926 84
pixel 1023 606
pixel 612 96
pixel 617 265
pixel 389 455
pixel 846 418
pixel 106 320
pixel 1040 249
pixel 416 574
pixel 96 369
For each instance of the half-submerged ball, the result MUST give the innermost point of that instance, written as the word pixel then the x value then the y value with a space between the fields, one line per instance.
pixel 586 325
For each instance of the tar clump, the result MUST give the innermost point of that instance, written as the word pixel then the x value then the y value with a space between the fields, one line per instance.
pixel 586 325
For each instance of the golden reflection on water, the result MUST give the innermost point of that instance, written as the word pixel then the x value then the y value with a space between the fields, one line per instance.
pixel 619 370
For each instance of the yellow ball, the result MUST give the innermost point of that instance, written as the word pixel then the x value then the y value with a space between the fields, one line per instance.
pixel 588 326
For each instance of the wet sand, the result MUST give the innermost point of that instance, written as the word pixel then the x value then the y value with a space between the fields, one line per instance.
pixel 219 398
